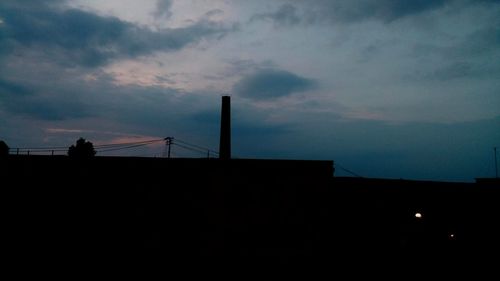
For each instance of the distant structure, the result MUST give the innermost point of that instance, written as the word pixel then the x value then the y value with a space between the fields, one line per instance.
pixel 225 129
pixel 4 149
pixel 491 181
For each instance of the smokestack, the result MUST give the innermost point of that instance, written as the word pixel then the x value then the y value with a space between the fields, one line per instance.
pixel 225 129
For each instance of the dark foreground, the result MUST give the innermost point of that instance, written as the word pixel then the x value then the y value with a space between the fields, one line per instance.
pixel 241 211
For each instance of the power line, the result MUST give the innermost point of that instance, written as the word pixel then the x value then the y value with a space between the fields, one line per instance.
pixel 63 148
pixel 348 171
pixel 205 149
pixel 127 143
pixel 38 149
pixel 120 148
pixel 190 148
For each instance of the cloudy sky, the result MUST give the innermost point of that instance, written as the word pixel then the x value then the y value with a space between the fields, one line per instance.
pixel 386 88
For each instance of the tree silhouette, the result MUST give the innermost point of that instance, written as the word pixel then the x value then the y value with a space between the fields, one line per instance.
pixel 83 149
pixel 4 149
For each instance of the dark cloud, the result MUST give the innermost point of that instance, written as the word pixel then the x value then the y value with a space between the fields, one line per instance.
pixel 41 109
pixel 214 12
pixel 469 58
pixel 45 100
pixel 244 123
pixel 237 67
pixel 454 71
pixel 285 15
pixel 269 84
pixel 70 98
pixel 246 129
pixel 22 100
pixel 249 127
pixel 163 9
pixel 458 71
pixel 9 89
pixel 315 11
pixel 78 37
pixel 357 10
pixel 482 42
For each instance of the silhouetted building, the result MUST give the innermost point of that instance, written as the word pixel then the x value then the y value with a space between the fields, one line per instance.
pixel 494 182
pixel 4 149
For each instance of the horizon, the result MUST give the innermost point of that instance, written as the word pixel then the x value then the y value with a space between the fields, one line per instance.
pixel 387 90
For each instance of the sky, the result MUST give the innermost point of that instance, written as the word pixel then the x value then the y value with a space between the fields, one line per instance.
pixel 385 88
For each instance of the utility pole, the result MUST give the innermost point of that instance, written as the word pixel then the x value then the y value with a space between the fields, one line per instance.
pixel 168 143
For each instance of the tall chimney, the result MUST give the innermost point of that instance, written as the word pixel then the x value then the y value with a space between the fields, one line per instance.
pixel 225 129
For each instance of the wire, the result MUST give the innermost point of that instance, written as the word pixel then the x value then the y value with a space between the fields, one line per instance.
pixel 205 149
pixel 120 148
pixel 38 149
pixel 63 148
pixel 127 143
pixel 189 148
pixel 348 171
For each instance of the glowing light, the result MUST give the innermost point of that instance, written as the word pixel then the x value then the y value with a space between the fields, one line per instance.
pixel 452 235
pixel 418 215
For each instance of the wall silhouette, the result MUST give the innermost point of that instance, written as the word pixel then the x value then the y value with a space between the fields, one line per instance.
pixel 4 149
pixel 288 212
